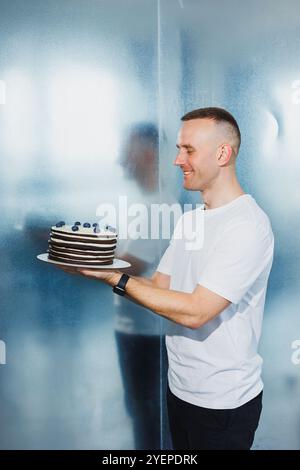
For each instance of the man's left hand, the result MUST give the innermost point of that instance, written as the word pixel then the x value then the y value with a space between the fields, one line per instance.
pixel 109 277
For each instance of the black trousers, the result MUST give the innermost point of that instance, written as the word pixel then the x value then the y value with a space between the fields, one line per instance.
pixel 196 428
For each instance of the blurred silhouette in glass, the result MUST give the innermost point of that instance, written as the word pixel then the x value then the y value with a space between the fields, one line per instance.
pixel 138 331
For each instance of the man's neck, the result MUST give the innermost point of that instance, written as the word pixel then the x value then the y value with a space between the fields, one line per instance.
pixel 212 200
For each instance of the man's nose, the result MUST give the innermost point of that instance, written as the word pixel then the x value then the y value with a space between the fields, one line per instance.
pixel 180 159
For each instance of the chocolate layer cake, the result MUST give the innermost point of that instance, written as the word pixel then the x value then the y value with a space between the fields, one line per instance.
pixel 82 244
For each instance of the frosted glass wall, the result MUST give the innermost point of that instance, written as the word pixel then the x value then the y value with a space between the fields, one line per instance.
pixel 87 87
pixel 78 106
pixel 245 56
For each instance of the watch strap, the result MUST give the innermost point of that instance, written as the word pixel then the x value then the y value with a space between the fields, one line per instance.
pixel 120 287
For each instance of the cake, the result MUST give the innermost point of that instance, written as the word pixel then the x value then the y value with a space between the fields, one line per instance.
pixel 82 244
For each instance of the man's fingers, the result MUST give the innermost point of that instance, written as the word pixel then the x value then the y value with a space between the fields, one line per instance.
pixel 100 274
pixel 97 273
pixel 69 270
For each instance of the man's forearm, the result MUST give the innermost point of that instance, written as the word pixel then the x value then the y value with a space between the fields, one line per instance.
pixel 173 305
pixel 143 280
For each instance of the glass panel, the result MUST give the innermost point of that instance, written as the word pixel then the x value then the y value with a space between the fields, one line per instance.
pixel 78 128
pixel 244 56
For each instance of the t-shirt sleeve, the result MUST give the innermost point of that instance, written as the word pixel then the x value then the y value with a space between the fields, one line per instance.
pixel 166 262
pixel 241 254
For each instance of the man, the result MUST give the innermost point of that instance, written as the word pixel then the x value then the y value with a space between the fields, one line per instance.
pixel 213 296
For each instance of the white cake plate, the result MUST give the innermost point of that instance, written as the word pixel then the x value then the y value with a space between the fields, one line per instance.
pixel 117 263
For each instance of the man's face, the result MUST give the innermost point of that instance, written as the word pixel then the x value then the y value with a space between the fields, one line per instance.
pixel 198 143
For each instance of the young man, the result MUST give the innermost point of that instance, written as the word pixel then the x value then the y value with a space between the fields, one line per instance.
pixel 213 296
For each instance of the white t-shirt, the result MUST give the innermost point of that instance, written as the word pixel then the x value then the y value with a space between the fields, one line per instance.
pixel 218 366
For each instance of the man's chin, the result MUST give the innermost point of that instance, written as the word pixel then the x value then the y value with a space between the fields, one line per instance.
pixel 190 187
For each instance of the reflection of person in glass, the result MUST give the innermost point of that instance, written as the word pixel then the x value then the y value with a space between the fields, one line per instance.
pixel 214 295
pixel 138 332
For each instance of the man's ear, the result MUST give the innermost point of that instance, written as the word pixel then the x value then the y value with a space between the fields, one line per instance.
pixel 224 154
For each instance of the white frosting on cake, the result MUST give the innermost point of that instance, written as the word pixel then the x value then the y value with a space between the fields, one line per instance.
pixel 67 230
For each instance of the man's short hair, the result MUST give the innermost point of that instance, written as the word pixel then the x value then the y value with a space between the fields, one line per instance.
pixel 218 115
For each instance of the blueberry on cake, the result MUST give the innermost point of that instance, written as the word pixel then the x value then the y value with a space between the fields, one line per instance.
pixel 82 244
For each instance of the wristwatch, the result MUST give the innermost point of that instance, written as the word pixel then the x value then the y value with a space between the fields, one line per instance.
pixel 120 287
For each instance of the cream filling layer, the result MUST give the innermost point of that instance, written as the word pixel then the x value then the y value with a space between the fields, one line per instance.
pixel 98 245
pixel 75 256
pixel 61 258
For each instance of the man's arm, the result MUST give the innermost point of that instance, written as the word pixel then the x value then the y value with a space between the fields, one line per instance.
pixel 157 280
pixel 191 310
